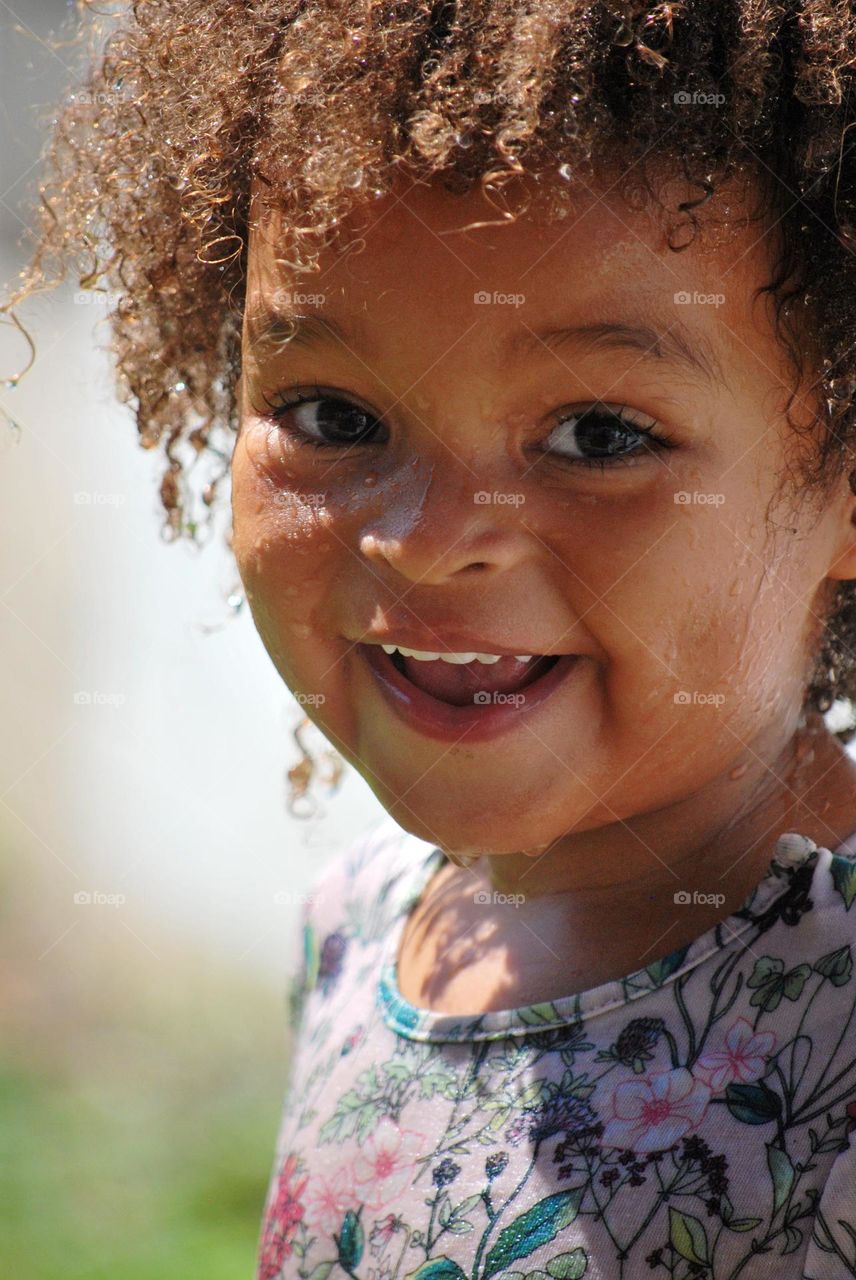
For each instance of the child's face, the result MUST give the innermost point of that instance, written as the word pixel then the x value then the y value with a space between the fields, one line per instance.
pixel 694 627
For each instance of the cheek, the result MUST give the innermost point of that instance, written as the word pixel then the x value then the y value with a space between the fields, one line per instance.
pixel 283 550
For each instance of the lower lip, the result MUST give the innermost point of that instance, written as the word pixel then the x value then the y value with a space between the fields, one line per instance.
pixel 449 723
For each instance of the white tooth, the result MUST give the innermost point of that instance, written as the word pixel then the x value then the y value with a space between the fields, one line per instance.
pixel 388 648
pixel 487 657
pixel 523 657
pixel 420 655
pixel 457 657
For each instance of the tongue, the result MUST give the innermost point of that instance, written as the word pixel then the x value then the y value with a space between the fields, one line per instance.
pixel 458 683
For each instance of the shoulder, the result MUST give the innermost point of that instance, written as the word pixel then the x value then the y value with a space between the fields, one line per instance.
pixel 369 871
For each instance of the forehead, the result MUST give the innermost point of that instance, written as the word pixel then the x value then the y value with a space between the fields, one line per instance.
pixel 423 257
pixel 600 233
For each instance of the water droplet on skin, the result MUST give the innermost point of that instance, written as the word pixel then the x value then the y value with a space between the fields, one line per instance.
pixel 738 771
pixel 370 480
pixel 300 629
pixel 735 588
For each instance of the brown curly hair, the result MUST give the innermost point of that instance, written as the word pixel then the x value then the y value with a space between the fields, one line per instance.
pixel 320 102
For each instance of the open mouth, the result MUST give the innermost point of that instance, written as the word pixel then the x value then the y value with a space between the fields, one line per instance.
pixel 462 695
pixel 459 684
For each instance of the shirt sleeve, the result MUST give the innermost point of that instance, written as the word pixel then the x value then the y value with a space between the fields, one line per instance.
pixel 831 1253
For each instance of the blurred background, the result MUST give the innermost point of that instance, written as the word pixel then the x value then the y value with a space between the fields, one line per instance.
pixel 150 874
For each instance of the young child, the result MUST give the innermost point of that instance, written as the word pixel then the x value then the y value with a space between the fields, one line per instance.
pixel 534 328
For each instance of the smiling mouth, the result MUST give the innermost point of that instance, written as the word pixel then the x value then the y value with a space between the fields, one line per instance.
pixel 460 684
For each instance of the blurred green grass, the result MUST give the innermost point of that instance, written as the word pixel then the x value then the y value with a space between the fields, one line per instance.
pixel 140 1096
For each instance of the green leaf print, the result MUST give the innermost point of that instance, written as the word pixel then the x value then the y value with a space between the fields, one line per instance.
pixel 688 1237
pixel 771 982
pixel 735 1224
pixel 753 1103
pixel 568 1266
pixel 660 970
pixel 844 879
pixel 437 1269
pixel 537 1226
pixel 356 1111
pixel 351 1241
pixel 782 1173
pixel 311 954
pixel 837 966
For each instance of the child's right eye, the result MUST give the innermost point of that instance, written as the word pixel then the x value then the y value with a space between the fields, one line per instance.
pixel 324 421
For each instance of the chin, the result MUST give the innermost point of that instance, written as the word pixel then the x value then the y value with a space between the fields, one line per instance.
pixel 465 834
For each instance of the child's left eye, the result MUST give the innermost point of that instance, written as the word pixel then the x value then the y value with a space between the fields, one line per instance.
pixel 611 431
pixel 597 435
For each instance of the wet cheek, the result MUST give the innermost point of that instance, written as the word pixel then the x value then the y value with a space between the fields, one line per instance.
pixel 284 548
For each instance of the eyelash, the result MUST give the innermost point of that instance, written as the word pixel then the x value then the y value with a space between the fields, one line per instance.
pixel 659 440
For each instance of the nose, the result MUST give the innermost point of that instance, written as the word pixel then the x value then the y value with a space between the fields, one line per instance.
pixel 454 531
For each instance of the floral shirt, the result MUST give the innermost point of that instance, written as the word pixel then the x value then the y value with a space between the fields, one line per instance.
pixel 689 1120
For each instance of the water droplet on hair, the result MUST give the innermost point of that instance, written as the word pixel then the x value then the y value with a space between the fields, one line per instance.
pixel 566 172
pixel 353 178
pixel 371 479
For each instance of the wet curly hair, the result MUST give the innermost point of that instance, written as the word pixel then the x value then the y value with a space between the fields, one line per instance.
pixel 319 103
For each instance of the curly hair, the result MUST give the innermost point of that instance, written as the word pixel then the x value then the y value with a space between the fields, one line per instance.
pixel 319 103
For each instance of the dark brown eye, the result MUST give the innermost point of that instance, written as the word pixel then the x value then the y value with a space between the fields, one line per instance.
pixel 328 422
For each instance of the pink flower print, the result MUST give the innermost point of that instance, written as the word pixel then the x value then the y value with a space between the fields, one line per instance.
pixel 329 1198
pixel 739 1058
pixel 284 1213
pixel 383 1167
pixel 655 1112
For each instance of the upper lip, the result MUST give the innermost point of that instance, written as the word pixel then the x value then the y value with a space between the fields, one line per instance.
pixel 447 642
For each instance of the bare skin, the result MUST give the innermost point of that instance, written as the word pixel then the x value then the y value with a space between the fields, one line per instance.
pixel 681 750
pixel 462 955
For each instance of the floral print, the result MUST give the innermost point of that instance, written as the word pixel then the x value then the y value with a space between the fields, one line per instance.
pixel 691 1120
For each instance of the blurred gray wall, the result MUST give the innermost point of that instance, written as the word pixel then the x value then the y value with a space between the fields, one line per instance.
pixel 140 758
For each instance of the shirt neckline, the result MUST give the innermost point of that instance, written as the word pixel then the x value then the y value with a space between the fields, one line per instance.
pixel 414 1023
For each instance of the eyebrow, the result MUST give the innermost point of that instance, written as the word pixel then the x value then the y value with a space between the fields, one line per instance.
pixel 675 346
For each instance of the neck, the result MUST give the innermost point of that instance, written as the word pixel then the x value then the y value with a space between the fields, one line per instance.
pixel 807 785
